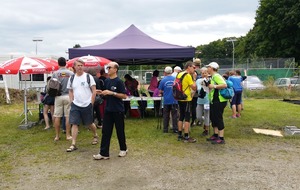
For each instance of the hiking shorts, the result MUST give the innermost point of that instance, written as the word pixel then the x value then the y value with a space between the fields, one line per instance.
pixel 80 115
pixel 184 111
pixel 62 106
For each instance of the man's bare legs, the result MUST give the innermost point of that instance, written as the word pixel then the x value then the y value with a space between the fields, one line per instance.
pixel 57 128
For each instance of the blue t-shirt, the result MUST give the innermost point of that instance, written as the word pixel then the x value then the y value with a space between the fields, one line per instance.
pixel 114 104
pixel 166 85
pixel 237 83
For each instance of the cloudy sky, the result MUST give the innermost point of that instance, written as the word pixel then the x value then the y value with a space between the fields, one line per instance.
pixel 63 23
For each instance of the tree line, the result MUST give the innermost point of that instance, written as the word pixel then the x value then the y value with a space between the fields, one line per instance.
pixel 276 33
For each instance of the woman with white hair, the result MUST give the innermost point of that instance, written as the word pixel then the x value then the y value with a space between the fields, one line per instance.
pixel 177 70
pixel 202 109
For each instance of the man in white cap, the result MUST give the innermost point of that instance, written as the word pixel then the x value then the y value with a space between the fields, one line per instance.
pixel 177 70
pixel 170 104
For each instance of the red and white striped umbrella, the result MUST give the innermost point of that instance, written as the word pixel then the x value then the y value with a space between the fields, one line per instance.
pixel 53 62
pixel 28 65
pixel 90 61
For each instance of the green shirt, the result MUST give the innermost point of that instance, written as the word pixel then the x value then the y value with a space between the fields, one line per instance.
pixel 215 80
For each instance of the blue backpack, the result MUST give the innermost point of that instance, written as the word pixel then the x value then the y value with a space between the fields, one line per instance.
pixel 228 92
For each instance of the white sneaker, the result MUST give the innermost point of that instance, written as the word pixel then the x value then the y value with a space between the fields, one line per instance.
pixel 123 153
pixel 100 157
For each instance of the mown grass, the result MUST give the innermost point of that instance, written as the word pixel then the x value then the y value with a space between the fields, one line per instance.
pixel 20 148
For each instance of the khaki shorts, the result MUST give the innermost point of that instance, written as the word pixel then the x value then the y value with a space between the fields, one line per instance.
pixel 62 106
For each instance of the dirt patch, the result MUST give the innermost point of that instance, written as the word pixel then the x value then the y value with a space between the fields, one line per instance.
pixel 265 165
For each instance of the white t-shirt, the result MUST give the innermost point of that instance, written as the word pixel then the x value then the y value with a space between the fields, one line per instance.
pixel 81 90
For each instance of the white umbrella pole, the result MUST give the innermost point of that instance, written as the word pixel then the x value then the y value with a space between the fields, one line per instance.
pixel 25 105
pixel 6 90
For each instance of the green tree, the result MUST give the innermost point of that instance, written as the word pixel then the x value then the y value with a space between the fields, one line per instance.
pixel 77 46
pixel 276 32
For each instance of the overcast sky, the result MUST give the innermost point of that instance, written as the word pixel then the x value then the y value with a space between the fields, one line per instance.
pixel 63 23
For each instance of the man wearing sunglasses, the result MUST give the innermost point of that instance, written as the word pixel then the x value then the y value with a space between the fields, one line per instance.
pixel 188 84
pixel 114 112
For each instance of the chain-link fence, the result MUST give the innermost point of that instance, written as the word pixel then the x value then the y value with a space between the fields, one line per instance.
pixel 264 68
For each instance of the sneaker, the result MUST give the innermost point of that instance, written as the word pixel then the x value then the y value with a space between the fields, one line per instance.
pixel 180 138
pixel 233 117
pixel 218 141
pixel 212 138
pixel 205 133
pixel 199 123
pixel 238 115
pixel 189 140
pixel 123 153
pixel 175 131
pixel 100 157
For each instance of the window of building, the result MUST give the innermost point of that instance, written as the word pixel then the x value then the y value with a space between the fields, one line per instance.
pixel 38 77
pixel 32 77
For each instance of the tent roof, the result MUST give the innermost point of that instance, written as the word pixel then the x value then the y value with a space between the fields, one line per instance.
pixel 133 46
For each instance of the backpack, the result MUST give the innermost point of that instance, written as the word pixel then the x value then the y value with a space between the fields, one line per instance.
pixel 178 92
pixel 54 87
pixel 227 92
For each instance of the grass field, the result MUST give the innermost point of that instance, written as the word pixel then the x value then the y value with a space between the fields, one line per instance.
pixel 35 146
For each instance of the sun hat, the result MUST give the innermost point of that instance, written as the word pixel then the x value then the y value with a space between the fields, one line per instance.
pixel 197 62
pixel 213 65
pixel 177 68
pixel 168 70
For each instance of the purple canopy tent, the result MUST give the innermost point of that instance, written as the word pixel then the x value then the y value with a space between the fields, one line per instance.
pixel 134 47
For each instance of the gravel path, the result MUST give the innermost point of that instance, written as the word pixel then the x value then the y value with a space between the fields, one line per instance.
pixel 265 165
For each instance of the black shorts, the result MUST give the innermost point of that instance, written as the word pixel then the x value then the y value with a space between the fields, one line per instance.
pixel 184 111
pixel 49 100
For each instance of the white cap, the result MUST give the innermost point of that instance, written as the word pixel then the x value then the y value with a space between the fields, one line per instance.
pixel 213 65
pixel 178 68
pixel 168 70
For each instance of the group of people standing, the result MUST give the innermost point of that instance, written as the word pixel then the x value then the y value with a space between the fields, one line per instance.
pixel 202 87
pixel 76 104
pixel 78 93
